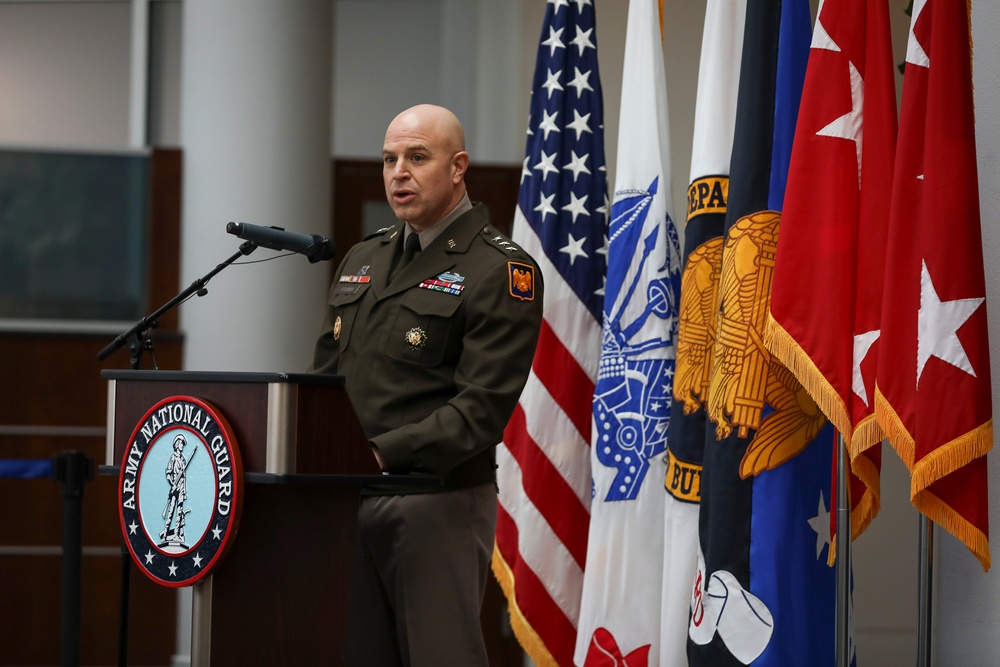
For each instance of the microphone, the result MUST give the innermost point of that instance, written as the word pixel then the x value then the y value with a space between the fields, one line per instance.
pixel 313 246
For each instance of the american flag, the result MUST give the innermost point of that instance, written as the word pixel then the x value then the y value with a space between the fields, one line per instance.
pixel 544 461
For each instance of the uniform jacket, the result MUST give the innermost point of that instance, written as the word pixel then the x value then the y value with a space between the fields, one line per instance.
pixel 435 362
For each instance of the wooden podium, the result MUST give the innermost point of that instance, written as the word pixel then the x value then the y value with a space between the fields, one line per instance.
pixel 280 594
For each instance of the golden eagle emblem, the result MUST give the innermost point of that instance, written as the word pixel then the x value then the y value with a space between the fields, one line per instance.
pixel 522 280
pixel 744 375
pixel 696 331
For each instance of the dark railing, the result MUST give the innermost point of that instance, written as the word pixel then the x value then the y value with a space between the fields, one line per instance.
pixel 72 470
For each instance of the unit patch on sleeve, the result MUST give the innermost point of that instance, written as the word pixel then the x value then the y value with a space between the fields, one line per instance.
pixel 522 280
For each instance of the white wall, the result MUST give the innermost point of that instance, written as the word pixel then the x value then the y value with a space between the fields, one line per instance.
pixel 165 48
pixel 462 54
pixel 64 74
pixel 381 67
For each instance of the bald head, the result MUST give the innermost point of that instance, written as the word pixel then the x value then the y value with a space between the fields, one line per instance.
pixel 432 121
pixel 423 164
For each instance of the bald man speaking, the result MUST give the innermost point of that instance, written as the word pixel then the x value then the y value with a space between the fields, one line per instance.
pixel 433 322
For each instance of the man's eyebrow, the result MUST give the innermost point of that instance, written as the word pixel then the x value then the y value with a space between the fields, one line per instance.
pixel 412 148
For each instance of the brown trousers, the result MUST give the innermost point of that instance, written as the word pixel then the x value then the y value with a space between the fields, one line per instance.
pixel 419 579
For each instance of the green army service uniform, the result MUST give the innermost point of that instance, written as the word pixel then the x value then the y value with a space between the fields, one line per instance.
pixel 434 363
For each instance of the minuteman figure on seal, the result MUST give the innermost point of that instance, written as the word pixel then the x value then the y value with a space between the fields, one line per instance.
pixel 176 473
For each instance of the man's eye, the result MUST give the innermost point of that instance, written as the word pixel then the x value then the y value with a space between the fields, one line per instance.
pixel 417 158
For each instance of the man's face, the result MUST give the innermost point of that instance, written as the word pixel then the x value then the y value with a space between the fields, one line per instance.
pixel 422 171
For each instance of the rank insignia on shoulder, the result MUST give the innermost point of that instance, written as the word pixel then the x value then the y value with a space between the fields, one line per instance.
pixel 522 280
pixel 378 232
pixel 504 244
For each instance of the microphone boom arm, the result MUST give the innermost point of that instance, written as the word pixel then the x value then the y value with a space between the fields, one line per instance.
pixel 135 335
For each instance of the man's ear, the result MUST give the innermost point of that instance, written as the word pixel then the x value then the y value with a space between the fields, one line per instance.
pixel 459 165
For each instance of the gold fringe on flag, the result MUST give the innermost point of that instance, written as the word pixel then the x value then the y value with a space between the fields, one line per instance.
pixel 945 516
pixel 867 507
pixel 870 502
pixel 867 433
pixel 788 351
pixel 892 425
pixel 951 456
pixel 940 463
pixel 526 635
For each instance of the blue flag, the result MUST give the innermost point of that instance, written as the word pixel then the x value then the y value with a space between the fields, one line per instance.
pixel 764 595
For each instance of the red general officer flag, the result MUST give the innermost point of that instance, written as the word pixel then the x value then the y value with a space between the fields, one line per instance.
pixel 826 299
pixel 933 379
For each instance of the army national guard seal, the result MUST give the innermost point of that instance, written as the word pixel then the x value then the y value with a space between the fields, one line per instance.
pixel 180 491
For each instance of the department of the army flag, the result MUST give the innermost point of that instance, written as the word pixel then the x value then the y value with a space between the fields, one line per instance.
pixel 708 191
pixel 620 608
pixel 764 594
pixel 544 461
pixel 826 299
pixel 933 394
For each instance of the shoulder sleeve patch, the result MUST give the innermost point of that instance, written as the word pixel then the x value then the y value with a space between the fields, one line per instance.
pixel 521 280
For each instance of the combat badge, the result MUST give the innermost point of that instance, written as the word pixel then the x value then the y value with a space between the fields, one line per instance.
pixel 180 491
pixel 522 280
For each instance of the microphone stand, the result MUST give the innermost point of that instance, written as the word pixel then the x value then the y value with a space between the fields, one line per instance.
pixel 135 337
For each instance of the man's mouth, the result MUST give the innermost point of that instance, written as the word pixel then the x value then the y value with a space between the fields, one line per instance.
pixel 403 196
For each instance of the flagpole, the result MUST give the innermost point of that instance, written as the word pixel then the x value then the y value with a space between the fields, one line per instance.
pixel 924 601
pixel 843 652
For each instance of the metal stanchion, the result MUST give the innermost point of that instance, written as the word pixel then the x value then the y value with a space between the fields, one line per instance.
pixel 123 600
pixel 71 470
pixel 843 651
pixel 924 601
